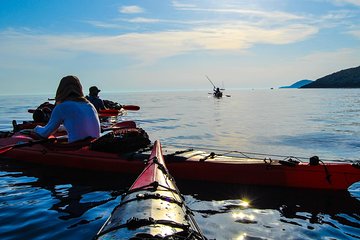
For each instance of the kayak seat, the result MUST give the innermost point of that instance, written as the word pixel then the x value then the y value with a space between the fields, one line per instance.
pixel 5 134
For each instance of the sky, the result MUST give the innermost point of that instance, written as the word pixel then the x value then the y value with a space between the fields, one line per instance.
pixel 133 45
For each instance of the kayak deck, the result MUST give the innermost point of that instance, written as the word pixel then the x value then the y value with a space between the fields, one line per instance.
pixel 265 172
pixel 152 208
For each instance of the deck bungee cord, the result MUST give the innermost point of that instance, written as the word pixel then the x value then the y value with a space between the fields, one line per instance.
pixel 253 155
pixel 153 207
pixel 289 161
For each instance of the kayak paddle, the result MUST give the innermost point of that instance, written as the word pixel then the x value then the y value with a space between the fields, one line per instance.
pixel 126 107
pixel 130 107
pixel 120 125
pixel 10 147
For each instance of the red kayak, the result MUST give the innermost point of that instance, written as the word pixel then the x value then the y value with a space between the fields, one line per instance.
pixel 110 112
pixel 190 165
pixel 152 208
pixel 105 126
pixel 115 112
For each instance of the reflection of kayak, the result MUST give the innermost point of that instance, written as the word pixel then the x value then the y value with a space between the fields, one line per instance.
pixel 191 165
pixel 152 208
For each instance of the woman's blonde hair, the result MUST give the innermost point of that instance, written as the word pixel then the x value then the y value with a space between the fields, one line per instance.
pixel 70 89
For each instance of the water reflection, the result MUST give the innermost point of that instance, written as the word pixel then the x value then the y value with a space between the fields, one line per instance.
pixel 83 201
pixel 276 213
pixel 77 198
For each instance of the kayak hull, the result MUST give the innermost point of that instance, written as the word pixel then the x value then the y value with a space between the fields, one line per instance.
pixel 191 165
pixel 153 207
pixel 336 177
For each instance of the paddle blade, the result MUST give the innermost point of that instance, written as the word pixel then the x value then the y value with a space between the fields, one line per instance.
pixel 5 149
pixel 120 125
pixel 131 107
pixel 109 111
pixel 19 145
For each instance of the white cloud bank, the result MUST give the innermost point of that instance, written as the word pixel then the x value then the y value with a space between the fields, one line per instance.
pixel 354 2
pixel 131 9
pixel 150 47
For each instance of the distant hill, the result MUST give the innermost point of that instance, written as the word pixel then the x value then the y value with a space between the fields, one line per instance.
pixel 298 84
pixel 347 78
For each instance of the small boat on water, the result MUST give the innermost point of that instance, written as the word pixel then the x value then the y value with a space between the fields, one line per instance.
pixel 217 92
pixel 152 208
pixel 187 164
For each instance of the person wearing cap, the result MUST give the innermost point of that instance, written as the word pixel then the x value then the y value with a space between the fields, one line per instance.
pixel 94 98
pixel 73 111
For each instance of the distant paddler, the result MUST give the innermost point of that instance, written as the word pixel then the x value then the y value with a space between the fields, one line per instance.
pixel 216 91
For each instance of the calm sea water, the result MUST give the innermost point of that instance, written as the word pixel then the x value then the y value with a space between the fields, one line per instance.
pixel 47 203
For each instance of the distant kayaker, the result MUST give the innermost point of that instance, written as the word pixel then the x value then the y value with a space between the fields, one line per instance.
pixel 74 111
pixel 217 92
pixel 94 98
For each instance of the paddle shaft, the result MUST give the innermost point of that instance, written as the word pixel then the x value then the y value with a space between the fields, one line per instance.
pixel 113 111
pixel 120 125
pixel 210 81
pixel 130 107
pixel 10 147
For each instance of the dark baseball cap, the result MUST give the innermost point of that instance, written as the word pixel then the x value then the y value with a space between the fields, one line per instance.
pixel 94 89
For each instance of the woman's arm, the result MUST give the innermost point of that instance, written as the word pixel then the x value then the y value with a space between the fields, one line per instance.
pixel 55 121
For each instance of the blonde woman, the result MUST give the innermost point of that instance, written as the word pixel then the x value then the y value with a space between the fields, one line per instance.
pixel 77 114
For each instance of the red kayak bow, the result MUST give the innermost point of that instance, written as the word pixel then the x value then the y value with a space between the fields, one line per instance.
pixel 153 208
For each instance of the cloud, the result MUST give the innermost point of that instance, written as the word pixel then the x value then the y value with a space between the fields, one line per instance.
pixel 355 33
pixel 248 13
pixel 353 2
pixel 177 4
pixel 239 11
pixel 150 47
pixel 104 25
pixel 131 9
pixel 252 14
pixel 143 20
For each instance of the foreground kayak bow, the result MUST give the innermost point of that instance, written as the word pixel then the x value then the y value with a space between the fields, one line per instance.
pixel 153 208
